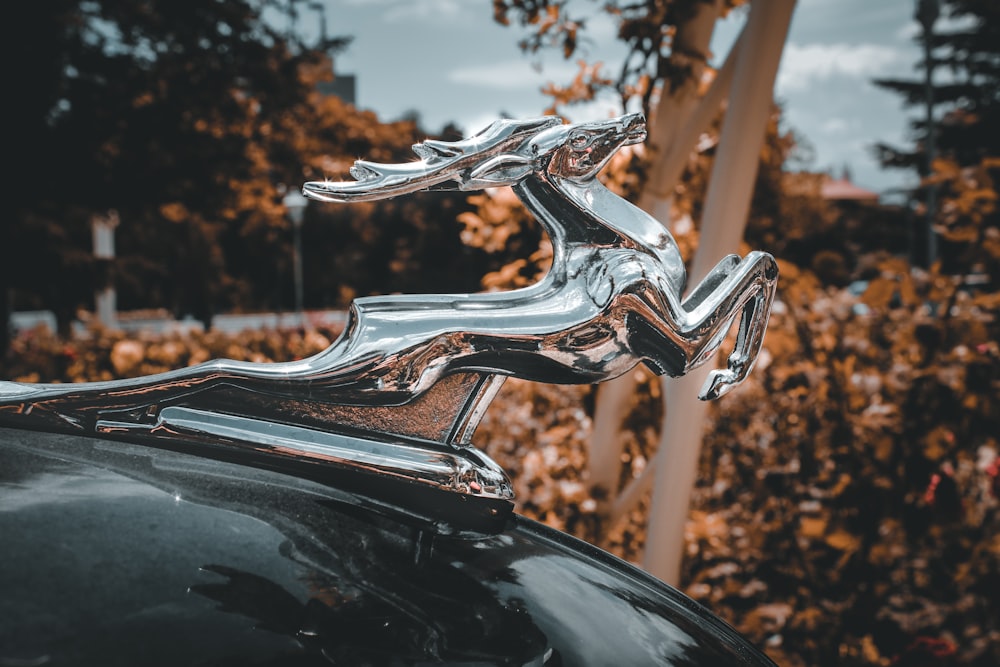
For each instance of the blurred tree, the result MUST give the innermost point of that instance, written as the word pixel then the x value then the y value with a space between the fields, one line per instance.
pixel 410 244
pixel 171 114
pixel 862 453
pixel 967 103
pixel 192 119
pixel 961 113
pixel 32 239
pixel 664 71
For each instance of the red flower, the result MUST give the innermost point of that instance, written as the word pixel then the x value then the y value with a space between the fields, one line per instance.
pixel 925 651
pixel 931 489
pixel 942 493
pixel 993 470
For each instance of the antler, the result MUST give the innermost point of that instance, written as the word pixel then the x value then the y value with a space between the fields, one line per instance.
pixel 441 162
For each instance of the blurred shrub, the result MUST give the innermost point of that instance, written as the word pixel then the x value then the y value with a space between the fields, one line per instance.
pixel 847 509
pixel 41 356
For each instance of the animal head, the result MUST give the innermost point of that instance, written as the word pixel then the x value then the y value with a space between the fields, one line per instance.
pixel 576 152
pixel 579 151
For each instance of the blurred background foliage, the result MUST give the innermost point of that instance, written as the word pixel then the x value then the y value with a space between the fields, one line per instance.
pixel 191 120
pixel 847 512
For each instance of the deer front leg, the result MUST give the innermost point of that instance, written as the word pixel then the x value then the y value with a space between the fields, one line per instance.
pixel 715 277
pixel 755 287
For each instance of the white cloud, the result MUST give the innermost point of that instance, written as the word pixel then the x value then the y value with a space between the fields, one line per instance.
pixel 407 10
pixel 804 65
pixel 912 30
pixel 512 75
pixel 600 36
pixel 909 31
pixel 835 126
pixel 605 106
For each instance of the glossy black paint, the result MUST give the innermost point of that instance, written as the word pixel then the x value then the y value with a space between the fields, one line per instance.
pixel 121 554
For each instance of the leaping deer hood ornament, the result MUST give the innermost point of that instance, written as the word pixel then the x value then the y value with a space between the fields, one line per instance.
pixel 401 391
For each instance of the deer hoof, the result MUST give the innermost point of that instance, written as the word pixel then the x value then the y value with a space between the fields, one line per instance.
pixel 719 383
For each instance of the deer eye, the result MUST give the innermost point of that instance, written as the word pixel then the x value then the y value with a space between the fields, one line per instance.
pixel 578 141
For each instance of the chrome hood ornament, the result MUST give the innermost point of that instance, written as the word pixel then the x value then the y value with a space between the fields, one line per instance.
pixel 400 393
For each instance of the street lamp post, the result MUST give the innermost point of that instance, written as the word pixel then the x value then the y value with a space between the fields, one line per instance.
pixel 105 302
pixel 927 14
pixel 295 202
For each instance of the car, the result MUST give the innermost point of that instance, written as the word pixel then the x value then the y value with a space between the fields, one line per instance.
pixel 333 510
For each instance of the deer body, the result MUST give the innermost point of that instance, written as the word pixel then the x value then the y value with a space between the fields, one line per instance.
pixel 612 299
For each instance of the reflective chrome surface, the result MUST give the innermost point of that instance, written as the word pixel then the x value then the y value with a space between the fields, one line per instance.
pixel 611 299
pixel 400 393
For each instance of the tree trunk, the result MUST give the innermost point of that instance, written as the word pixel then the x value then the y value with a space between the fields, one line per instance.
pixel 727 205
pixel 675 105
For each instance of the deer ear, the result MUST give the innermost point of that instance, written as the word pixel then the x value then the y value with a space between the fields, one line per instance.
pixel 501 170
pixel 431 149
pixel 362 170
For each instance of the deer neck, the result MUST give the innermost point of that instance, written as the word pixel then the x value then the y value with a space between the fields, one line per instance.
pixel 567 223
pixel 590 214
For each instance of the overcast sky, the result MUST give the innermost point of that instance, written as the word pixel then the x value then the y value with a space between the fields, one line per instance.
pixel 448 61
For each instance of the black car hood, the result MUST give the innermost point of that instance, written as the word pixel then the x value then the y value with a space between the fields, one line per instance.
pixel 120 554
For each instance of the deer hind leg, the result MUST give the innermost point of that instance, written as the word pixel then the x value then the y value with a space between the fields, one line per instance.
pixel 754 291
pixel 673 338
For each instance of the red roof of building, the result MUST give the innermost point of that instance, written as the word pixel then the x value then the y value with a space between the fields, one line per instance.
pixel 841 189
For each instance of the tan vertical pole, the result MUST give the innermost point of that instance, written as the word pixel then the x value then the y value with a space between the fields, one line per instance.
pixel 105 297
pixel 730 189
pixel 675 106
